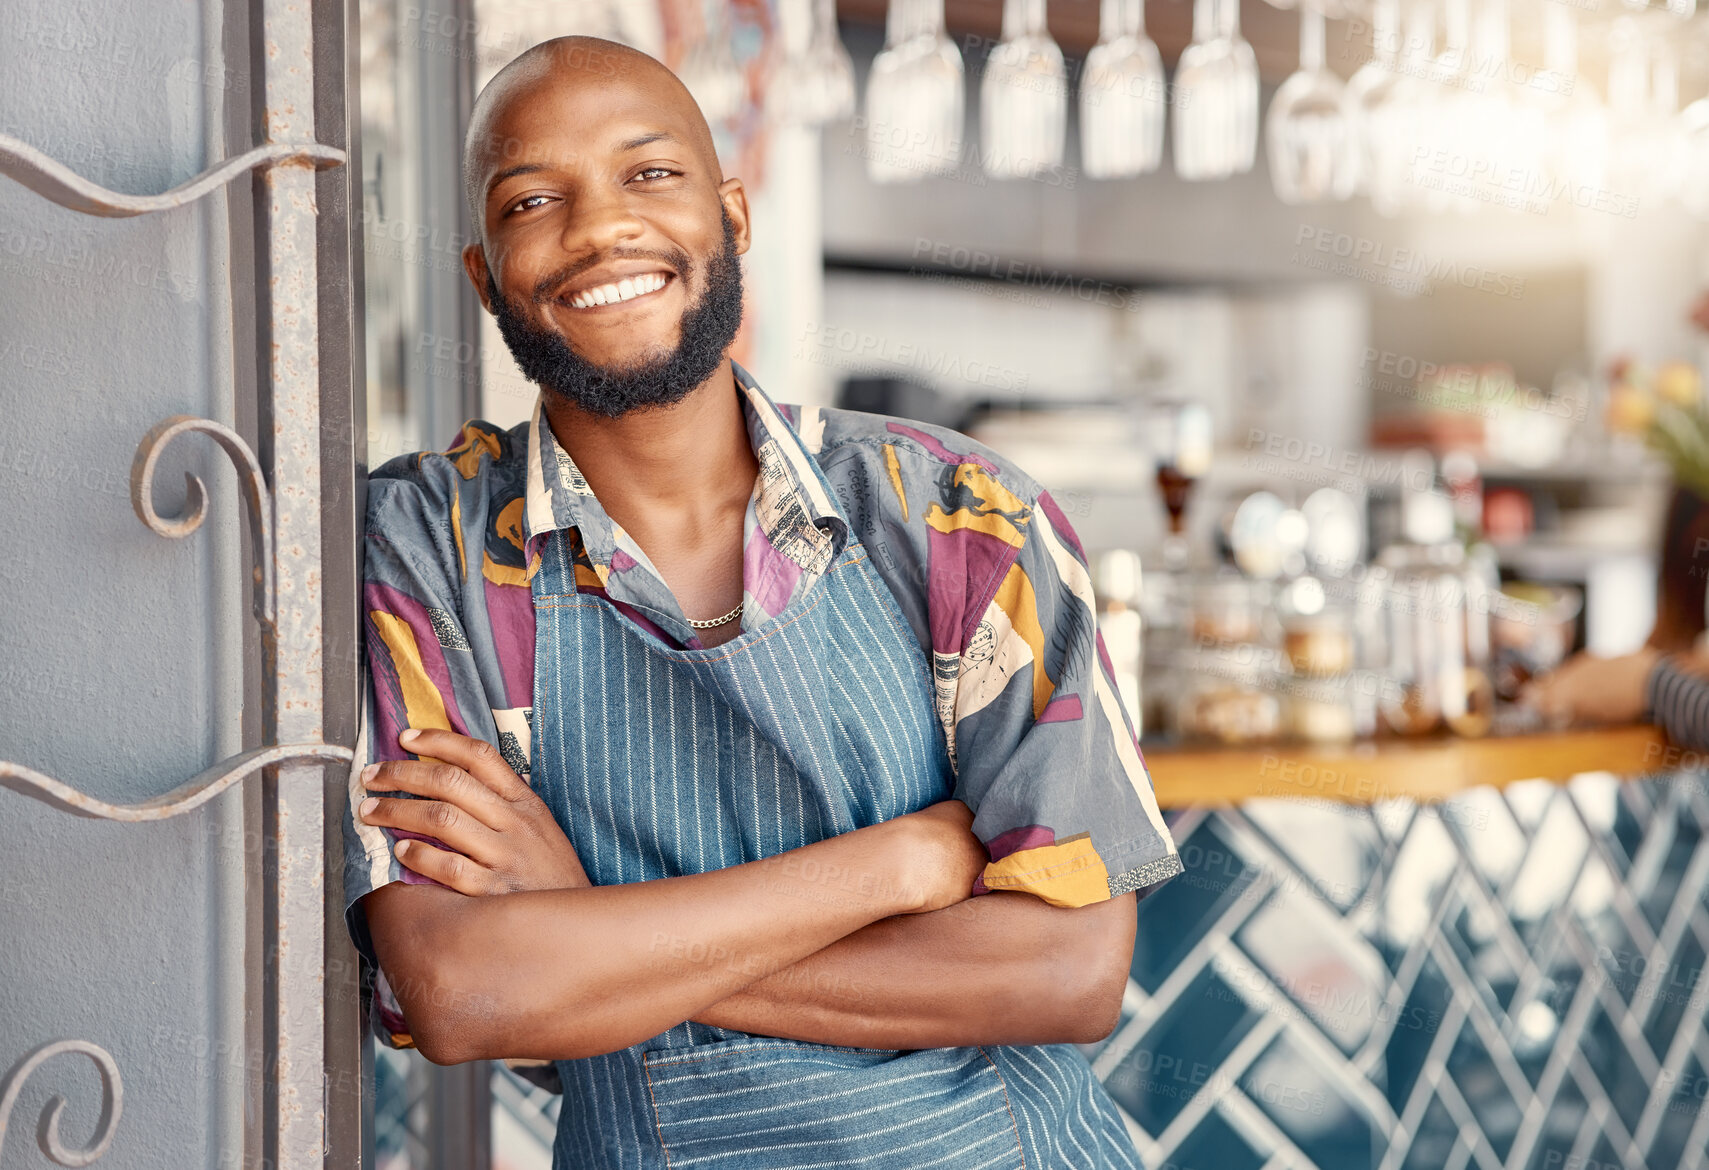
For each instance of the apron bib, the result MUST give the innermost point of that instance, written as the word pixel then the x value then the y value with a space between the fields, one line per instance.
pixel 661 762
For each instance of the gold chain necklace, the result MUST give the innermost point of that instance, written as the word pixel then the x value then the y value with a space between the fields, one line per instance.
pixel 718 621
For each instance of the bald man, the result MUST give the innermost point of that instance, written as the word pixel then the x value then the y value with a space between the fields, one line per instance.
pixel 756 768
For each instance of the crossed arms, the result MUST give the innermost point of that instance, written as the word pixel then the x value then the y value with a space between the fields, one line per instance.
pixel 865 939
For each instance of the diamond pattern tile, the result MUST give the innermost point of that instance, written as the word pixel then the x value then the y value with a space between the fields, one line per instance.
pixel 1513 980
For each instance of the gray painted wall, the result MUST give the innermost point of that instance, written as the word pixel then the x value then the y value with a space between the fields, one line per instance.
pixel 120 651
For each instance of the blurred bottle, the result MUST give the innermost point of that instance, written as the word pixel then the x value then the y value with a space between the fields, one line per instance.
pixel 1438 606
pixel 1178 434
pixel 1118 587
pixel 1464 483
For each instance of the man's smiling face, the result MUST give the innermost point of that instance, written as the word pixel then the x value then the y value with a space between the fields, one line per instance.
pixel 609 235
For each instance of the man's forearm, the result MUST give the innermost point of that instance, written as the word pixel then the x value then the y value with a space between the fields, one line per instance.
pixel 1002 968
pixel 560 974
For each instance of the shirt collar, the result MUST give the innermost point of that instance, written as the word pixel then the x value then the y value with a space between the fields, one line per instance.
pixel 558 496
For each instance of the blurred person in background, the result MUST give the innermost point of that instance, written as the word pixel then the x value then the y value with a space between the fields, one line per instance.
pixel 1667 681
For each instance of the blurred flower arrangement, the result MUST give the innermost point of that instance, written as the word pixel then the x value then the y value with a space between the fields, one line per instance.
pixel 1665 408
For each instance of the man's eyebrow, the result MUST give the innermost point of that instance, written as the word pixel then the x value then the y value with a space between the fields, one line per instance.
pixel 511 173
pixel 644 139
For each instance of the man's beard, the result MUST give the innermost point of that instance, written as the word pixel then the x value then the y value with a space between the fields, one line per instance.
pixel 650 381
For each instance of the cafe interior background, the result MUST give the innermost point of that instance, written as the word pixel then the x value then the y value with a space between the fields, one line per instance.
pixel 1355 338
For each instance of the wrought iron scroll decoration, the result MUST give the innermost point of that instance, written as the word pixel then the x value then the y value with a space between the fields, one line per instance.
pixel 210 783
pixel 255 494
pixel 112 1102
pixel 191 794
pixel 54 181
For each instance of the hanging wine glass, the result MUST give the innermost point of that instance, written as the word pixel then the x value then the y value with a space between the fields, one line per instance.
pixel 1204 137
pixel 710 73
pixel 1438 167
pixel 1368 92
pixel 1628 68
pixel 1694 169
pixel 833 63
pixel 1308 133
pixel 1576 141
pixel 1453 62
pixel 1502 133
pixel 1243 90
pixel 1122 93
pixel 1664 125
pixel 1692 134
pixel 1643 100
pixel 1396 129
pixel 1023 97
pixel 814 82
pixel 914 97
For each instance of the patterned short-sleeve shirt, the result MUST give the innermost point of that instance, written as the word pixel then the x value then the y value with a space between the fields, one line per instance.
pixel 981 561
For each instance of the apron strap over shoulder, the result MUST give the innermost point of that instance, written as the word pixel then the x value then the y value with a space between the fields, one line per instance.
pixel 556 576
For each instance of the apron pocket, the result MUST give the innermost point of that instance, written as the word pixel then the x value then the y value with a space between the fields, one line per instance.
pixel 766 1103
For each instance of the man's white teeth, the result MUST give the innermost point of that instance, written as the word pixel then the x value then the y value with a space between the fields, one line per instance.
pixel 626 289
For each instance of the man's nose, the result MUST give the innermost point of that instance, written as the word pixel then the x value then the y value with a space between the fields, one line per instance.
pixel 599 223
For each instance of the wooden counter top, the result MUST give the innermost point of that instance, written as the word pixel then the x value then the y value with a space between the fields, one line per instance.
pixel 1423 769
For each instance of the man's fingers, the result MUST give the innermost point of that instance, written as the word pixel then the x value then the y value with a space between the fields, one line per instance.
pixel 447 868
pixel 477 757
pixel 443 782
pixel 431 818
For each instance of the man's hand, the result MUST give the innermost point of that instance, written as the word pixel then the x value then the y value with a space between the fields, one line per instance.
pixel 1586 689
pixel 948 858
pixel 502 838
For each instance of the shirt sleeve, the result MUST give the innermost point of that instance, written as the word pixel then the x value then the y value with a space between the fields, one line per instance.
pixel 420 673
pixel 1678 702
pixel 1046 755
pixel 369 864
pixel 409 633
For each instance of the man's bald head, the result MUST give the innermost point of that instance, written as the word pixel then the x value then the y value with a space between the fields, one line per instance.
pixel 558 64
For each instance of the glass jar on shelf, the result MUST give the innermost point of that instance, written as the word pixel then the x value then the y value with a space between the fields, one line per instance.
pixel 1229 694
pixel 1228 610
pixel 1317 630
pixel 1164 616
pixel 1324 710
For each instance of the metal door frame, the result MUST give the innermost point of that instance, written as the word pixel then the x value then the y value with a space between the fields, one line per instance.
pixel 301 406
pixel 347 1053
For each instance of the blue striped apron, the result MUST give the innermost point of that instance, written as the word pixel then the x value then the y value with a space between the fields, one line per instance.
pixel 662 762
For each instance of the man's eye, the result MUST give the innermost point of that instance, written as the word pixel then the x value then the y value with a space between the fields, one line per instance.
pixel 526 203
pixel 655 173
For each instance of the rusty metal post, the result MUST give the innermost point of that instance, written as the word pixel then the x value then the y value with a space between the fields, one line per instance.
pixel 295 1093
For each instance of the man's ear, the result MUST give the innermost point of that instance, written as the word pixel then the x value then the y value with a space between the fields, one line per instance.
pixel 475 264
pixel 735 199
